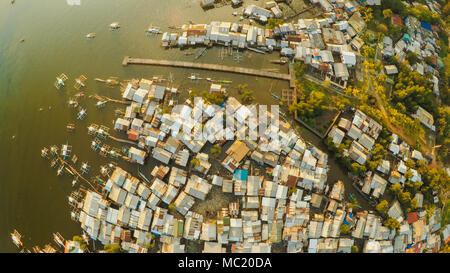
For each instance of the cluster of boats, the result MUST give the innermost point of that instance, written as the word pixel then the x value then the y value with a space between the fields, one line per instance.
pixel 16 238
pixel 116 25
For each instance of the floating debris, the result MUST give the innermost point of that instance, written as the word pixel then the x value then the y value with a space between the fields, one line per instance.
pixel 22 40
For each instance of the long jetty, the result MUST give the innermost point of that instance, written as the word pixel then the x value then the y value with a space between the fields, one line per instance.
pixel 214 67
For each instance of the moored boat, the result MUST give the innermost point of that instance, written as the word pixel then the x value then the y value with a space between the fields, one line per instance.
pixel 16 238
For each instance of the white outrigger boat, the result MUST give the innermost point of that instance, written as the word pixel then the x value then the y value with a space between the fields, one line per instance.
pixel 194 77
pixel 114 25
pixel 60 81
pixel 153 30
pixel 85 168
pixel 60 170
pixel 16 238
pixel 66 150
pixel 59 239
pixel 44 152
pixel 82 114
pixel 101 104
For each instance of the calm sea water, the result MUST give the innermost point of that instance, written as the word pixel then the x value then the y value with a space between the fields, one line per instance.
pixel 33 199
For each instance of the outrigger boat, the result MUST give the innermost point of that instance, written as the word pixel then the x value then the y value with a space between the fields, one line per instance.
pixel 275 96
pixel 85 168
pixel 59 239
pixel 60 170
pixel 69 171
pixel 194 77
pixel 280 61
pixel 54 150
pixel 90 35
pixel 114 25
pixel 224 81
pixel 100 104
pixel 44 152
pixel 256 50
pixel 66 149
pixel 72 103
pixel 200 53
pixel 54 163
pixel 75 181
pixel 16 238
pixel 74 159
pixel 60 81
pixel 153 30
pixel 82 114
pixel 112 81
pixel 70 127
pixel 79 82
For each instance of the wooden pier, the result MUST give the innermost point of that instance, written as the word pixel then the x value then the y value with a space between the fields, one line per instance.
pixel 214 67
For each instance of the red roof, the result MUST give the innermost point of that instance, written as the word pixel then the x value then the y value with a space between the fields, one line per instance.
pixel 133 135
pixel 413 217
pixel 396 19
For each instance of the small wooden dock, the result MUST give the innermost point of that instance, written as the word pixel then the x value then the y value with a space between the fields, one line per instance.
pixel 214 67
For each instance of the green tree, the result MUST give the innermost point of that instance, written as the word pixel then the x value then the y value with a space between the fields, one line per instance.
pixel 355 249
pixel 396 188
pixel 345 229
pixel 80 240
pixel 272 23
pixel 300 69
pixel 172 209
pixel 382 207
pixel 392 223
pixel 387 13
pixel 112 248
pixel 382 28
pixel 358 169
pixel 216 151
pixel 195 162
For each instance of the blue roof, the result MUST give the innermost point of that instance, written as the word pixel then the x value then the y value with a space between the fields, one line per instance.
pixel 426 25
pixel 240 175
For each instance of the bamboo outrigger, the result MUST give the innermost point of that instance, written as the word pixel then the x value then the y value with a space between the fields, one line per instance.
pixel 44 152
pixel 60 81
pixel 79 82
pixel 59 240
pixel 16 238
pixel 70 127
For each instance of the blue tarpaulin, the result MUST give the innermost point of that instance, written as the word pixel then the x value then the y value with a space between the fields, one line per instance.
pixel 426 26
pixel 240 175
